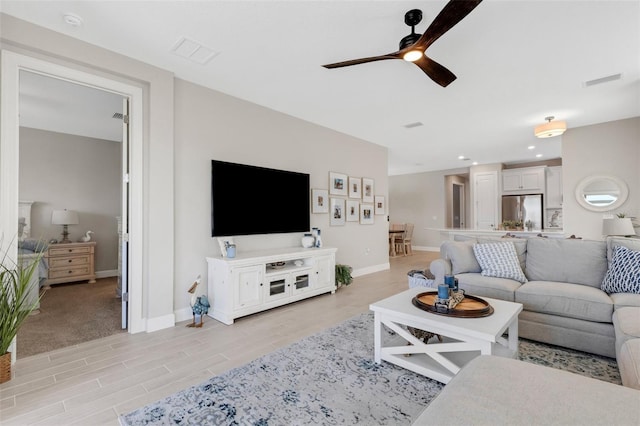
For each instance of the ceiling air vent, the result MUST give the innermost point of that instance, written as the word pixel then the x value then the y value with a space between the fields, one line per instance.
pixel 118 116
pixel 412 125
pixel 193 50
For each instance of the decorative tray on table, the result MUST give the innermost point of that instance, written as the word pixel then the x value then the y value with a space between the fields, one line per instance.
pixel 469 307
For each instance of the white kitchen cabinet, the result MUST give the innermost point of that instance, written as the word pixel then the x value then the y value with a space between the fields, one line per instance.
pixel 526 180
pixel 256 281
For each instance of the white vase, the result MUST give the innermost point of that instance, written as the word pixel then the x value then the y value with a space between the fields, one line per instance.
pixel 308 241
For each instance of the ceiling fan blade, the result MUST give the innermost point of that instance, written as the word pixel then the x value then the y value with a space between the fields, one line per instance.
pixel 450 15
pixel 435 71
pixel 395 55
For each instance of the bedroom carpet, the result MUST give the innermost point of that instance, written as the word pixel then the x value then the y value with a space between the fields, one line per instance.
pixel 330 378
pixel 71 314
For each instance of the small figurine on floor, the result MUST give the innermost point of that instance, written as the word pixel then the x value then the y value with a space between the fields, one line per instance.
pixel 199 305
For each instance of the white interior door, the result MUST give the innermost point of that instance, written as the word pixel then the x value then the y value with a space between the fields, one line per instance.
pixel 486 200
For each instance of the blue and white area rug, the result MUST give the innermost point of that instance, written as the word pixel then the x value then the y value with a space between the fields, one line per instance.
pixel 330 378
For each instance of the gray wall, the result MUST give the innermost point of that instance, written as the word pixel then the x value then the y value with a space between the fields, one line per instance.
pixel 212 125
pixel 611 148
pixel 60 171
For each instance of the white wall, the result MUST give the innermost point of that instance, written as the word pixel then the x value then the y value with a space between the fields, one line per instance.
pixel 60 171
pixel 611 148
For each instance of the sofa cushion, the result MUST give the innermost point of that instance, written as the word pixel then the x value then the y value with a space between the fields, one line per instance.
pixel 499 260
pixel 623 275
pixel 461 256
pixel 497 288
pixel 613 242
pixel 621 300
pixel 566 261
pixel 567 300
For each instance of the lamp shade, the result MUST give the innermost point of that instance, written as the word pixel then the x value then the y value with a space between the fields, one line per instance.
pixel 618 226
pixel 550 129
pixel 64 217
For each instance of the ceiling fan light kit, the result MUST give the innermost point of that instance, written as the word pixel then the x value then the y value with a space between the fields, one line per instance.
pixel 550 128
pixel 413 46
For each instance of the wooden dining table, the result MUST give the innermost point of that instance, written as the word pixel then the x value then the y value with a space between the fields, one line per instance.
pixel 392 237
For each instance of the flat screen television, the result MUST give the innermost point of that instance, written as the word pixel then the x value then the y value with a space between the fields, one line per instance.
pixel 250 200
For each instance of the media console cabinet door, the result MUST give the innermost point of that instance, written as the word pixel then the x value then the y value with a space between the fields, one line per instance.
pixel 248 286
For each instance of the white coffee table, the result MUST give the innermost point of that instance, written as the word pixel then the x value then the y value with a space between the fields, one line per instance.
pixel 465 338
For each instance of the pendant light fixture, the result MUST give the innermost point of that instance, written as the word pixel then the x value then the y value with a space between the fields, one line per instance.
pixel 550 128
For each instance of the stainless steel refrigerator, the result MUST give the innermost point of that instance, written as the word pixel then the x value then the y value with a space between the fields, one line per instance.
pixel 523 208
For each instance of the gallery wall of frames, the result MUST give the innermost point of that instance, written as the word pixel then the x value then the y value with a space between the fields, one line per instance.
pixel 348 199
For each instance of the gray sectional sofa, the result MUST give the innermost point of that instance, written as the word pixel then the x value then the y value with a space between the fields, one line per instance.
pixel 561 294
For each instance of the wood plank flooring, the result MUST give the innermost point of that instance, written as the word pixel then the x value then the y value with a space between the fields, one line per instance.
pixel 93 382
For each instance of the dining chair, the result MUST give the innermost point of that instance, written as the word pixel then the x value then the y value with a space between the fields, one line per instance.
pixel 406 240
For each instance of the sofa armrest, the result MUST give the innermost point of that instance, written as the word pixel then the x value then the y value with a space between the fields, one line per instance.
pixel 439 268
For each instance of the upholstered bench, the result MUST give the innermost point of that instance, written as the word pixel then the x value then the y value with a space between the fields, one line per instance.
pixel 493 390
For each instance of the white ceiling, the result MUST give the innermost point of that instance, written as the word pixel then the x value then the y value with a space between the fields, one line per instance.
pixel 516 61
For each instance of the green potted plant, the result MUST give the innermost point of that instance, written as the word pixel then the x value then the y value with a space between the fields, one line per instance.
pixel 15 305
pixel 343 275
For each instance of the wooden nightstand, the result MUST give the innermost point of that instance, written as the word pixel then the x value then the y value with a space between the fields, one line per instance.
pixel 70 262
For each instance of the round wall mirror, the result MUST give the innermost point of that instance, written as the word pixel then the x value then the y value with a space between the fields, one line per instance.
pixel 601 193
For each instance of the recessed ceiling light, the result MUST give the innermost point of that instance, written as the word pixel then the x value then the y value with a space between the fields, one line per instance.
pixel 72 19
pixel 531 147
pixel 475 163
pixel 460 157
pixel 538 155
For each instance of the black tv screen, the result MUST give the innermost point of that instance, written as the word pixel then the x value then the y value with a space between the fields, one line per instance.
pixel 250 200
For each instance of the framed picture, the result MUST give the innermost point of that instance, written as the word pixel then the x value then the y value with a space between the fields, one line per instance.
pixel 379 206
pixel 319 201
pixel 367 190
pixel 366 214
pixel 353 211
pixel 337 183
pixel 337 217
pixel 355 187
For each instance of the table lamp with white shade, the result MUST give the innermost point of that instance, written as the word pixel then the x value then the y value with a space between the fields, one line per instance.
pixel 618 226
pixel 64 218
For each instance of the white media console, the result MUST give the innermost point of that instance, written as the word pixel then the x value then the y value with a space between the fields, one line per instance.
pixel 259 280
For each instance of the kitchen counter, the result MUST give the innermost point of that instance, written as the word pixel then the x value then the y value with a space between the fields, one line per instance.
pixel 448 233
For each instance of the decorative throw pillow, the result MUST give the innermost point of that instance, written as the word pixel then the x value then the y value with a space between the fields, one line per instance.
pixel 499 260
pixel 623 276
pixel 461 256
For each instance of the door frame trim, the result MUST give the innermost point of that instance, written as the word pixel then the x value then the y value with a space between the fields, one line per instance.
pixel 11 65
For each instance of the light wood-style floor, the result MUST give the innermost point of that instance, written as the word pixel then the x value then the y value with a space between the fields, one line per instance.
pixel 93 382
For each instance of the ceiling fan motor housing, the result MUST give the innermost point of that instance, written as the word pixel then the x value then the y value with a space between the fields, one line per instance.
pixel 411 18
pixel 409 40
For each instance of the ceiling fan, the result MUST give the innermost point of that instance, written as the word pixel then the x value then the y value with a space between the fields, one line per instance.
pixel 413 46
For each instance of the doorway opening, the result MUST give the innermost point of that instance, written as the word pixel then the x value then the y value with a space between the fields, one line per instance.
pixel 12 65
pixel 456 205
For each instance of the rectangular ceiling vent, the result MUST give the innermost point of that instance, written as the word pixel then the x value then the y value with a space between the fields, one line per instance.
pixel 412 125
pixel 117 116
pixel 193 50
pixel 601 80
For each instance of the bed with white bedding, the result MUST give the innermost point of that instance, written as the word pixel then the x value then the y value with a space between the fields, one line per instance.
pixel 30 249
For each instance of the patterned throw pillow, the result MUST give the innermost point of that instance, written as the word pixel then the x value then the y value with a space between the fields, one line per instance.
pixel 499 260
pixel 623 276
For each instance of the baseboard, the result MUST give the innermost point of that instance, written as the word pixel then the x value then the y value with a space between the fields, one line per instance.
pixel 370 269
pixel 160 323
pixel 183 314
pixel 423 248
pixel 106 274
